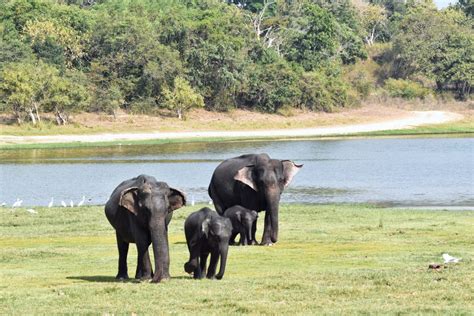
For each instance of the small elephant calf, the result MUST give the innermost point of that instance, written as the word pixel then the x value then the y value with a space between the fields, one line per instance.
pixel 244 222
pixel 207 233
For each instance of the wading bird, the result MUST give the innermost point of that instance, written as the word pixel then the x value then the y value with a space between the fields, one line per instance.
pixel 17 203
pixel 81 201
pixel 50 204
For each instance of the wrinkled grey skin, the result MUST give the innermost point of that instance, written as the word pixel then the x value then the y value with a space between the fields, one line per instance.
pixel 244 222
pixel 207 233
pixel 255 182
pixel 140 210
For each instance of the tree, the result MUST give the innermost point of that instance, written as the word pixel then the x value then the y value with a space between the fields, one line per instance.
pixel 182 97
pixel 24 85
pixel 374 21
pixel 436 46
pixel 65 94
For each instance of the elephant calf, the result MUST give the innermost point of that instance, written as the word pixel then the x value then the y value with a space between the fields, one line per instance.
pixel 207 233
pixel 244 222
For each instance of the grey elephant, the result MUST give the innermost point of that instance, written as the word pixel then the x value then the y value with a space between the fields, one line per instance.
pixel 255 182
pixel 207 233
pixel 244 222
pixel 140 210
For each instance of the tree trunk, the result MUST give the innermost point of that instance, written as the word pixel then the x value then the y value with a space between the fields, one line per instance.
pixel 32 116
pixel 61 118
pixel 37 112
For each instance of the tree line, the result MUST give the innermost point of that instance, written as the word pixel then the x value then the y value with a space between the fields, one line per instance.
pixel 62 56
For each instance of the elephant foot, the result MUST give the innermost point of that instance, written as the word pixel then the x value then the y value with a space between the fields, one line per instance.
pixel 122 276
pixel 189 267
pixel 266 243
pixel 159 280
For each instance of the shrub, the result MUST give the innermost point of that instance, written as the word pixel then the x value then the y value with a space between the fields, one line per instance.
pixel 406 89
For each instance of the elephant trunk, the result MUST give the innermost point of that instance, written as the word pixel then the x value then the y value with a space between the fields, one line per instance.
pixel 273 201
pixel 248 232
pixel 223 249
pixel 159 239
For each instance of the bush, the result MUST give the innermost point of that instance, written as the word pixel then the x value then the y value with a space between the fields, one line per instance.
pixel 406 89
pixel 320 92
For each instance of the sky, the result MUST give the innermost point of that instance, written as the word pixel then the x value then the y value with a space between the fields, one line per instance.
pixel 443 3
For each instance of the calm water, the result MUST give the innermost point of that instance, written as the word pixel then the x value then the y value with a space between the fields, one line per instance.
pixel 416 171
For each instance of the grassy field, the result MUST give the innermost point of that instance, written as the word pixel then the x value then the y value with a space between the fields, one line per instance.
pixel 330 259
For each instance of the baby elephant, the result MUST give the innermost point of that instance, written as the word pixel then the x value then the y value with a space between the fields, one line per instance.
pixel 244 222
pixel 207 233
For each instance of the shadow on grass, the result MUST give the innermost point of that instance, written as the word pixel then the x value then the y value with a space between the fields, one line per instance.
pixel 102 279
pixel 111 279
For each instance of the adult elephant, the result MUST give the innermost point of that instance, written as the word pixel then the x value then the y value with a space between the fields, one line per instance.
pixel 255 182
pixel 140 209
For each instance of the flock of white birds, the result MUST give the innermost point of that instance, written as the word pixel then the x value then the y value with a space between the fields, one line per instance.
pixel 19 202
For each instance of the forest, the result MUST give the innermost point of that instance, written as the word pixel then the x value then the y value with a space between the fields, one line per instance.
pixel 141 56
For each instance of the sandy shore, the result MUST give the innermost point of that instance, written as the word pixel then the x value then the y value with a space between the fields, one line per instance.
pixel 414 119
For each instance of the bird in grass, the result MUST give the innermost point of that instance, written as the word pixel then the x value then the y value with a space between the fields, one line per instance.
pixel 17 203
pixel 3 204
pixel 450 259
pixel 32 211
pixel 63 203
pixel 81 201
pixel 71 203
pixel 50 204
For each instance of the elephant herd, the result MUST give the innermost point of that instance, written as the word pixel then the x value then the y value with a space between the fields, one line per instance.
pixel 141 208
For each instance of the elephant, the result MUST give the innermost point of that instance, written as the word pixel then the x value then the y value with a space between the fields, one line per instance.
pixel 244 222
pixel 207 233
pixel 256 182
pixel 139 210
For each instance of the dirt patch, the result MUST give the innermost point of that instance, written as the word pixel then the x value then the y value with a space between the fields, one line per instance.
pixel 200 119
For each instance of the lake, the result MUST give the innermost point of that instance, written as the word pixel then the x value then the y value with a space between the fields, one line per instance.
pixel 387 171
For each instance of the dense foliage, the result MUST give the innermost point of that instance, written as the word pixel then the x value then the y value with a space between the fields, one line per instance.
pixel 61 56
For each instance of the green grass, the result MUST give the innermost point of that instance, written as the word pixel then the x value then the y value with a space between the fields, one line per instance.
pixel 331 259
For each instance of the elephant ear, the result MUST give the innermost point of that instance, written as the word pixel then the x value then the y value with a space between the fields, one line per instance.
pixel 176 199
pixel 129 200
pixel 205 227
pixel 244 175
pixel 290 169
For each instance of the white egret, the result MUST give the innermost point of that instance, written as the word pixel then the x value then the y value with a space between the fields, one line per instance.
pixel 81 201
pixel 192 200
pixel 3 204
pixel 450 259
pixel 71 203
pixel 50 204
pixel 63 203
pixel 17 203
pixel 32 211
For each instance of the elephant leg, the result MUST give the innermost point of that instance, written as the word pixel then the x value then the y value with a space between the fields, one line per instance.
pixel 203 262
pixel 267 230
pixel 143 262
pixel 253 240
pixel 146 270
pixel 192 266
pixel 243 236
pixel 232 238
pixel 122 262
pixel 211 272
